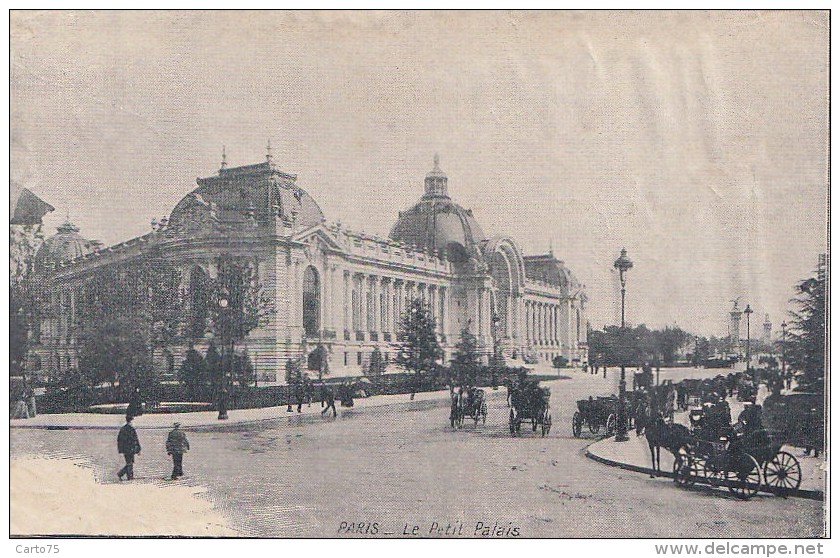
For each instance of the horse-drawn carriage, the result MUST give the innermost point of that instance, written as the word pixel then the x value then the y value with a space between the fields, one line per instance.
pixel 529 402
pixel 468 403
pixel 799 417
pixel 597 413
pixel 736 458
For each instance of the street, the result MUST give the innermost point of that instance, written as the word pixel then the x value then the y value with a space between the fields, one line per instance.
pixel 390 471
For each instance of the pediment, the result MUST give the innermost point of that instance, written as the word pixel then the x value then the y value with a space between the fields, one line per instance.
pixel 318 237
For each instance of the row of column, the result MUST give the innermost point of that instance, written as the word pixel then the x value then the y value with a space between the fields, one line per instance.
pixel 374 303
pixel 543 321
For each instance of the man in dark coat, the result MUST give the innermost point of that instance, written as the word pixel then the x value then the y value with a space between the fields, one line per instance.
pixel 176 446
pixel 329 399
pixel 128 444
pixel 135 403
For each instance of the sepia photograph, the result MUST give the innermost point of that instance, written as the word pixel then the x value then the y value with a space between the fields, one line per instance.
pixel 419 275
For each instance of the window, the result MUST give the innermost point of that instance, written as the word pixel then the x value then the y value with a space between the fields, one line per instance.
pixel 359 358
pixel 311 302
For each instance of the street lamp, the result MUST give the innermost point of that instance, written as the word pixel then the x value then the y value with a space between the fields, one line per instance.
pixel 623 265
pixel 784 353
pixel 747 312
pixel 221 403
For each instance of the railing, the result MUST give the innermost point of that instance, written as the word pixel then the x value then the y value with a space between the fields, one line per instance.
pixel 374 336
pixel 347 335
pixel 386 337
pixel 360 336
pixel 328 334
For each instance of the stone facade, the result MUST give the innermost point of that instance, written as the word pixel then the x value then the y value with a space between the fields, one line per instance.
pixel 332 286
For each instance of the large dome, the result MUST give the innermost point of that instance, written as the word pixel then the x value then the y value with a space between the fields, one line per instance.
pixel 436 223
pixel 67 244
pixel 259 191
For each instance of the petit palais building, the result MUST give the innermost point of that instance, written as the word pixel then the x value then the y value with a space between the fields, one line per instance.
pixel 342 289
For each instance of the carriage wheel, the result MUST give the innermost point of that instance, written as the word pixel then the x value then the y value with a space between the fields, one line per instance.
pixel 611 425
pixel 683 469
pixel 594 427
pixel 745 480
pixel 782 473
pixel 577 424
pixel 512 422
pixel 714 475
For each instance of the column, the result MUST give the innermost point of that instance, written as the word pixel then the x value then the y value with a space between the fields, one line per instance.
pixel 444 327
pixel 347 302
pixel 433 306
pixel 326 298
pixel 375 310
pixel 399 301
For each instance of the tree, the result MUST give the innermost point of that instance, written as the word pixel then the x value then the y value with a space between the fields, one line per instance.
pixel 559 361
pixel 466 362
pixel 243 369
pixel 246 304
pixel 193 375
pixel 376 367
pixel 24 241
pixel 807 334
pixel 417 345
pixel 115 350
pixel 668 341
pixel 293 372
pixel 213 365
pixel 319 361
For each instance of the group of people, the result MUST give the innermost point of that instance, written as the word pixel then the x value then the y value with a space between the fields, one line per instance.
pixel 304 391
pixel 128 444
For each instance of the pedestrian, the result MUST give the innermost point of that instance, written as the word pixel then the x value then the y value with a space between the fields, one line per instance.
pixel 299 395
pixel 128 444
pixel 329 399
pixel 176 446
pixel 135 403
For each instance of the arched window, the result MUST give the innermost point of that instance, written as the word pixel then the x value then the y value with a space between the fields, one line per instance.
pixel 199 300
pixel 311 302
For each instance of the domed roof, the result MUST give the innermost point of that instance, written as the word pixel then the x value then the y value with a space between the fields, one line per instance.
pixel 435 223
pixel 67 244
pixel 260 191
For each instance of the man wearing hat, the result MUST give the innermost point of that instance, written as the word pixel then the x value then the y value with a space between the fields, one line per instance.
pixel 128 444
pixel 176 445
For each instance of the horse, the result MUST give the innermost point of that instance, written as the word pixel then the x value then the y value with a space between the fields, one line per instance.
pixel 660 434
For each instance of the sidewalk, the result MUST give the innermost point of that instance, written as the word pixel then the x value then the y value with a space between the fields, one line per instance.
pixel 208 420
pixel 634 455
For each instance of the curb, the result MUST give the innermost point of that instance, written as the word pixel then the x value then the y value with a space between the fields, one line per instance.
pixel 817 495
pixel 267 421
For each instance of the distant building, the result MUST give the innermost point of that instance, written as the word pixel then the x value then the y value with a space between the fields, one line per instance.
pixel 735 328
pixel 341 289
pixel 767 338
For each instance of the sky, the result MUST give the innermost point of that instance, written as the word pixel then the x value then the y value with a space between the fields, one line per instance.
pixel 697 140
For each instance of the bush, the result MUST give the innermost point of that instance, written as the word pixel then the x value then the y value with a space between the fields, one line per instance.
pixel 560 361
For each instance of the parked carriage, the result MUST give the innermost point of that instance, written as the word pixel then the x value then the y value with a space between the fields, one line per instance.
pixel 798 417
pixel 530 402
pixel 743 461
pixel 468 404
pixel 597 413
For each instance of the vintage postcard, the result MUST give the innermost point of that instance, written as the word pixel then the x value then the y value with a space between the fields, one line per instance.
pixel 419 274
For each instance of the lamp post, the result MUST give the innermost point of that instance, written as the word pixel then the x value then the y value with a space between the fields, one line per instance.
pixel 224 304
pixel 784 354
pixel 623 265
pixel 747 312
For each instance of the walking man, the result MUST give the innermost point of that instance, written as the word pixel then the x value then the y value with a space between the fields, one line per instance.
pixel 329 397
pixel 128 444
pixel 176 446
